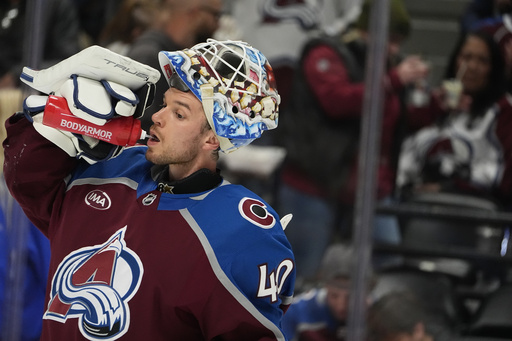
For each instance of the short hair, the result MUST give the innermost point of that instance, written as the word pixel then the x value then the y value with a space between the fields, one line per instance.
pixel 395 313
pixel 337 264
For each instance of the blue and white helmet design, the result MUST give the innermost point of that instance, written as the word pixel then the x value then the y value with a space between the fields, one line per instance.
pixel 235 84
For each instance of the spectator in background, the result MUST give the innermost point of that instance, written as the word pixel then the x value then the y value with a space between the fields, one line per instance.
pixel 290 24
pixel 320 314
pixel 398 316
pixel 320 130
pixel 132 19
pixel 468 150
pixel 61 38
pixel 179 24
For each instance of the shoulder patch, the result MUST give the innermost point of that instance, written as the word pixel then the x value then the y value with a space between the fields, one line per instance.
pixel 255 211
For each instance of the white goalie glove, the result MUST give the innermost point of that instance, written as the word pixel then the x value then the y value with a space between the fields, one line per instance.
pixel 98 85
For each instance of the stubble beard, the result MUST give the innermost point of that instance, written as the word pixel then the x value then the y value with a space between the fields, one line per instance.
pixel 172 157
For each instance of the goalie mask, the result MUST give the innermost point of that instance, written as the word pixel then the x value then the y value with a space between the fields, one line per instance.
pixel 235 84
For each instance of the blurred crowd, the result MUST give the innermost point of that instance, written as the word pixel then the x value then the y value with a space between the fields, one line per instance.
pixel 445 144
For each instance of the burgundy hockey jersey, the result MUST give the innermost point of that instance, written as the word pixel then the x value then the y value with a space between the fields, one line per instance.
pixel 130 262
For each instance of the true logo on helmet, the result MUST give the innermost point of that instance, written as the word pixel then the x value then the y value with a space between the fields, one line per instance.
pixel 98 199
pixel 94 285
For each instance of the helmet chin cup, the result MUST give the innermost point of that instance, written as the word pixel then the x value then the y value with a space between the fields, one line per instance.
pixel 235 84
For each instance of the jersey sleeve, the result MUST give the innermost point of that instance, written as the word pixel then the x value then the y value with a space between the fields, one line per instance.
pixel 34 170
pixel 331 85
pixel 254 262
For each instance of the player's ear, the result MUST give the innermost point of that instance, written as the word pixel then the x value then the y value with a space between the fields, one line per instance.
pixel 211 141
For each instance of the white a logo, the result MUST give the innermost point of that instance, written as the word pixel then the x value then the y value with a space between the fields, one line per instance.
pixel 94 285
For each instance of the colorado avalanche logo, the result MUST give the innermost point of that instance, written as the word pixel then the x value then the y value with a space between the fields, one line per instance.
pixel 94 284
pixel 256 212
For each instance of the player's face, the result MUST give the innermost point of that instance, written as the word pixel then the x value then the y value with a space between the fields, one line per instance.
pixel 337 299
pixel 474 62
pixel 179 130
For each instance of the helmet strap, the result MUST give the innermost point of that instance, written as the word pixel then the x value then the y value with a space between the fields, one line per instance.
pixel 207 99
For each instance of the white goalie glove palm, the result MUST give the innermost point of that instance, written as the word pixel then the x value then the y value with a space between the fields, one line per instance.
pixel 98 85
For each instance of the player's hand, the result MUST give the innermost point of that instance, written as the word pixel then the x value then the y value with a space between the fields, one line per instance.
pixel 96 63
pixel 91 100
pixel 98 85
pixel 82 147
